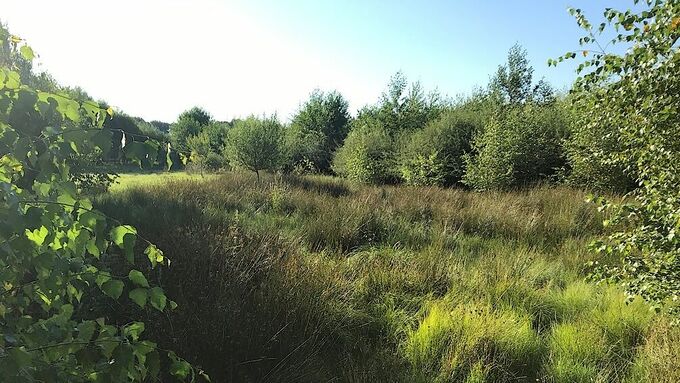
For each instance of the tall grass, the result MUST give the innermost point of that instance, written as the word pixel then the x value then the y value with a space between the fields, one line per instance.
pixel 315 279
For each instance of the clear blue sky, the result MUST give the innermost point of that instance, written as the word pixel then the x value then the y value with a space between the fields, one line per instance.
pixel 155 58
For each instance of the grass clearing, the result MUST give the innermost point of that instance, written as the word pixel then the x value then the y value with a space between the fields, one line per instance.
pixel 128 180
pixel 315 279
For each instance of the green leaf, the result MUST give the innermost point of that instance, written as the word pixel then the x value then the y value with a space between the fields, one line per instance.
pixel 139 296
pixel 138 278
pixel 154 254
pixel 119 233
pixel 86 330
pixel 27 52
pixel 37 236
pixel 102 278
pixel 179 368
pixel 158 298
pixel 113 288
pixel 124 237
pixel 20 357
pixel 134 330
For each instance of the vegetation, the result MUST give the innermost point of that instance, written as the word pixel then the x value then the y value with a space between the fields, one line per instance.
pixel 57 251
pixel 315 279
pixel 460 242
pixel 636 96
pixel 317 130
pixel 256 144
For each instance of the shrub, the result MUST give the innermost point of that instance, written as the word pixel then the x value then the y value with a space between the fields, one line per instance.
pixel 320 126
pixel 635 97
pixel 304 150
pixel 520 146
pixel 202 155
pixel 434 155
pixel 367 156
pixel 589 150
pixel 256 144
pixel 57 250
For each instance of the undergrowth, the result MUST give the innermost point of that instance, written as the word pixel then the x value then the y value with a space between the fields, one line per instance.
pixel 315 279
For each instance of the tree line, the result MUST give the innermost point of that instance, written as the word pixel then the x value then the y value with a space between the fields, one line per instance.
pixel 513 132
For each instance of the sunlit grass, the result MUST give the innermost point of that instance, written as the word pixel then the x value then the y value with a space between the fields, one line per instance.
pixel 316 279
pixel 127 180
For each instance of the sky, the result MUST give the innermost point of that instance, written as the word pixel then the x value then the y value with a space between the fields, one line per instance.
pixel 157 58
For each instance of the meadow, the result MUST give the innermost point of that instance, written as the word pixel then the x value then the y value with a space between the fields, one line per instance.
pixel 315 279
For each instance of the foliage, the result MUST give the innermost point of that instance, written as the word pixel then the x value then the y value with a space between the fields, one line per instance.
pixel 151 131
pixel 589 150
pixel 55 249
pixel 404 108
pixel 318 129
pixel 370 151
pixel 513 82
pixel 201 154
pixel 160 125
pixel 200 115
pixel 304 149
pixel 217 135
pixel 636 97
pixel 189 123
pixel 256 144
pixel 316 278
pixel 367 156
pixel 434 155
pixel 520 146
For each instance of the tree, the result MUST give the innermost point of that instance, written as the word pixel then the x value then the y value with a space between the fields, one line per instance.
pixel 403 108
pixel 217 135
pixel 256 144
pixel 370 151
pixel 513 82
pixel 200 115
pixel 305 150
pixel 201 152
pixel 324 117
pixel 635 96
pixel 188 124
pixel 160 125
pixel 56 250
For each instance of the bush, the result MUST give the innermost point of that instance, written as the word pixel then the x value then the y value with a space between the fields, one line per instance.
pixel 367 156
pixel 320 126
pixel 189 123
pixel 256 144
pixel 304 150
pixel 434 155
pixel 203 157
pixel 520 146
pixel 589 150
